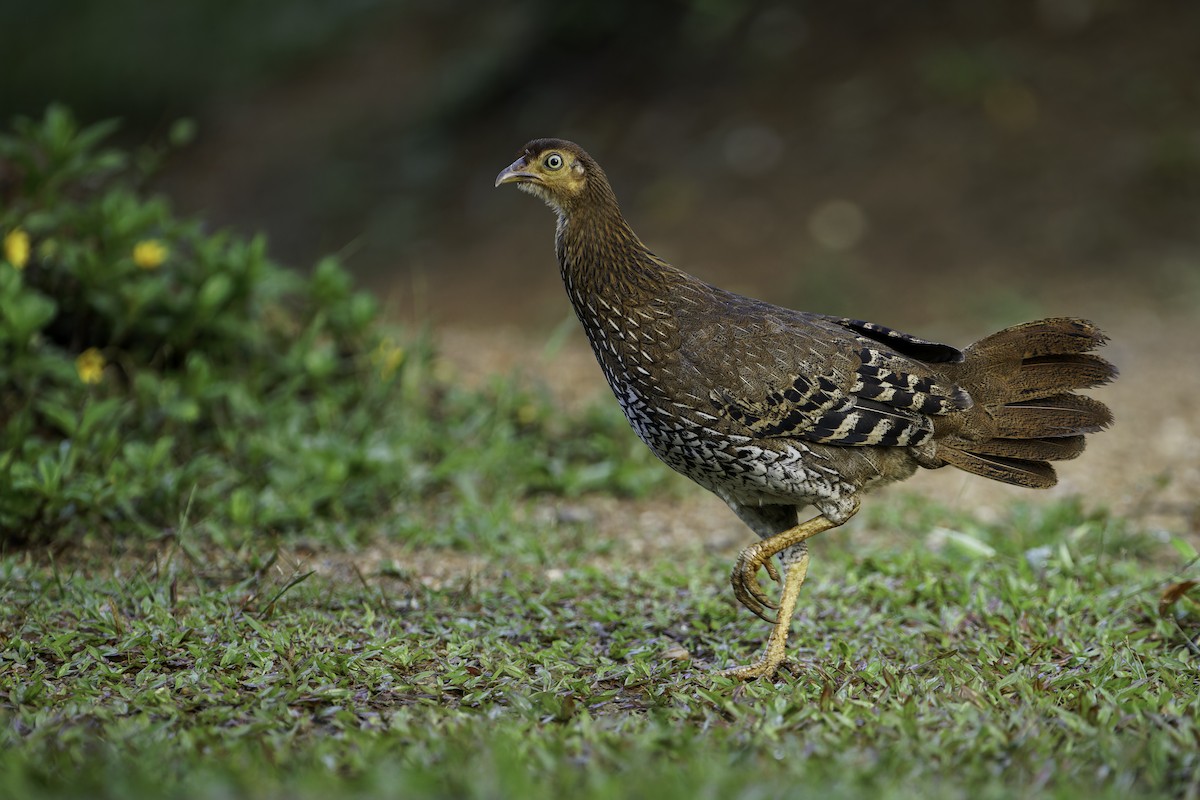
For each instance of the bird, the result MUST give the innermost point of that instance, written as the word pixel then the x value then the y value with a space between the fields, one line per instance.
pixel 776 410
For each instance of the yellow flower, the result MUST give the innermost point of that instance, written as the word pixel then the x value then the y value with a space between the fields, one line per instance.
pixel 527 413
pixel 90 365
pixel 16 248
pixel 149 253
pixel 389 356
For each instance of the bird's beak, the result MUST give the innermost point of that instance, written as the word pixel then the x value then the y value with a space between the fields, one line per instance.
pixel 516 172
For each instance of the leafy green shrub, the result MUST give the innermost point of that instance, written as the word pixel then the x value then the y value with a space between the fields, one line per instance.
pixel 148 368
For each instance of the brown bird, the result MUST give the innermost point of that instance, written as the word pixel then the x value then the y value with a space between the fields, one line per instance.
pixel 774 410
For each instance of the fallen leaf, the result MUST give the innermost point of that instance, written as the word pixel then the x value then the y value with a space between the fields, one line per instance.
pixel 1172 594
pixel 676 652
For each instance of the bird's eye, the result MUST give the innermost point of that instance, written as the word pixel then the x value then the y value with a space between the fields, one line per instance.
pixel 553 161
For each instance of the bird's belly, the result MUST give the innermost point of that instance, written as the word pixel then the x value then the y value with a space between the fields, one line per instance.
pixel 737 468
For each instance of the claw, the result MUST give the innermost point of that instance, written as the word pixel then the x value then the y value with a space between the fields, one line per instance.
pixel 752 603
pixel 746 587
pixel 772 570
pixel 764 616
pixel 759 669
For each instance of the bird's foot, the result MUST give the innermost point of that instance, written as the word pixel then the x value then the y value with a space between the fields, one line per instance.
pixel 746 587
pixel 765 667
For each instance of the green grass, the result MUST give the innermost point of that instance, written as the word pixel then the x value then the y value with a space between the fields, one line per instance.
pixel 985 670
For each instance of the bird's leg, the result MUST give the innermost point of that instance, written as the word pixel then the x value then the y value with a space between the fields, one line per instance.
pixel 746 587
pixel 751 595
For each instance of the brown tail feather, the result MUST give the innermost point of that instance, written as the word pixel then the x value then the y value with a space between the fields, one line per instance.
pixel 1017 471
pixel 1060 448
pixel 1060 415
pixel 1021 380
pixel 1043 375
pixel 1053 336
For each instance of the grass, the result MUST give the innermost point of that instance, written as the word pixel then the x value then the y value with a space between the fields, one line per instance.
pixel 1034 661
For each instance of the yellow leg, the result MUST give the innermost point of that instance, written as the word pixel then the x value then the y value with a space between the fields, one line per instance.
pixel 776 649
pixel 747 590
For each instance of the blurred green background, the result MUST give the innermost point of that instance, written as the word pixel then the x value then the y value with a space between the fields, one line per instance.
pixel 866 157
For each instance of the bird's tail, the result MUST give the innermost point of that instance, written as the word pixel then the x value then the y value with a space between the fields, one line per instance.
pixel 1022 380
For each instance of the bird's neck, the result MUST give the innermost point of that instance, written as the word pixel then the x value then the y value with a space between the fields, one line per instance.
pixel 604 262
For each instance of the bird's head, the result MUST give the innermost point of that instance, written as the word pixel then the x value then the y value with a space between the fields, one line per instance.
pixel 558 171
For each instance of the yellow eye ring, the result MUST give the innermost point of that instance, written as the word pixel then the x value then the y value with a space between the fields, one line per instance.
pixel 553 161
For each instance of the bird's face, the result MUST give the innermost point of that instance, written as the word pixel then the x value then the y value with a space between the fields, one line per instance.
pixel 552 169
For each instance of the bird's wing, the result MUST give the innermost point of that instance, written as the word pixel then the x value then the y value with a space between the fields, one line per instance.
pixel 777 375
pixel 904 343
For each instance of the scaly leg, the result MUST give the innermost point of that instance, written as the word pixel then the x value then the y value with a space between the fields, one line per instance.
pixel 747 589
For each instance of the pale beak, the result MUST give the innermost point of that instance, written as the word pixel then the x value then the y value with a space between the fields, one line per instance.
pixel 516 173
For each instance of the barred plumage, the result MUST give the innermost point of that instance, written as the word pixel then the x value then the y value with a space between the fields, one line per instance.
pixel 774 409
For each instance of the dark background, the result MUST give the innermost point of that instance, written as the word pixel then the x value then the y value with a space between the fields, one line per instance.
pixel 936 165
